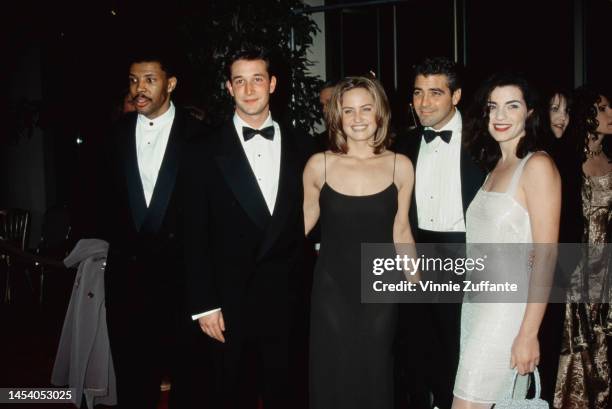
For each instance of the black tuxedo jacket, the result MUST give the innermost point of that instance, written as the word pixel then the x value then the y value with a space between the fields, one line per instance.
pixel 144 264
pixel 472 175
pixel 239 257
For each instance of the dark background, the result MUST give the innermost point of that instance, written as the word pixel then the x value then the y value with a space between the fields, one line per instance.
pixel 64 77
pixel 537 38
pixel 67 60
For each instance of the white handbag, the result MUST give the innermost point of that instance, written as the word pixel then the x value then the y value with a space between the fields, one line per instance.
pixel 535 403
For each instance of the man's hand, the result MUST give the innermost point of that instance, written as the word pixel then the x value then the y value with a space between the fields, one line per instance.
pixel 213 325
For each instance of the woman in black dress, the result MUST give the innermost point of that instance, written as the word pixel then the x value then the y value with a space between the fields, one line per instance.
pixel 360 191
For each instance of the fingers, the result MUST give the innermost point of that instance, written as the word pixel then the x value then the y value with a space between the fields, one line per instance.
pixel 524 367
pixel 213 326
pixel 221 322
pixel 214 331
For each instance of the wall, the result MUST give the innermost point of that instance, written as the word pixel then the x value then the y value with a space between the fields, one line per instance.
pixel 22 160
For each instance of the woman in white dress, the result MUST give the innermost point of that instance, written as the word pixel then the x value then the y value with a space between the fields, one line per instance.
pixel 519 202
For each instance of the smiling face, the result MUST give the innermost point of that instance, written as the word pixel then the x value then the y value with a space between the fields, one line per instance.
pixel 358 115
pixel 604 116
pixel 433 100
pixel 251 86
pixel 507 113
pixel 559 115
pixel 150 88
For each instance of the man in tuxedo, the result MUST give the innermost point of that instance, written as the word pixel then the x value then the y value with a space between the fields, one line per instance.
pixel 325 94
pixel 245 240
pixel 140 218
pixel 446 181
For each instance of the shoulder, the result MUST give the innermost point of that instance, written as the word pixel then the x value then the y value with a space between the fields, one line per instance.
pixel 540 163
pixel 219 134
pixel 404 171
pixel 301 142
pixel 125 124
pixel 314 172
pixel 316 162
pixel 206 143
pixel 402 162
pixel 193 128
pixel 540 169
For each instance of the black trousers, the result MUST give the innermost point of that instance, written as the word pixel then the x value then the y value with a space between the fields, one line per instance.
pixel 139 355
pixel 428 345
pixel 249 367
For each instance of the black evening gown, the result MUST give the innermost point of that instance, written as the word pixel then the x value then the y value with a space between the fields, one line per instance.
pixel 351 361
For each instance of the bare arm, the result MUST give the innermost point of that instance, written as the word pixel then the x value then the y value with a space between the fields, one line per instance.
pixel 541 185
pixel 313 181
pixel 402 234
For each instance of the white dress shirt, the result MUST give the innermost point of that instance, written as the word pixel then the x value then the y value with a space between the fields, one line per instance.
pixel 438 181
pixel 151 141
pixel 264 157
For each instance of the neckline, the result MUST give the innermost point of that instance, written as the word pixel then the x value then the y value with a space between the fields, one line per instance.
pixel 512 198
pixel 359 196
pixel 597 176
pixel 514 180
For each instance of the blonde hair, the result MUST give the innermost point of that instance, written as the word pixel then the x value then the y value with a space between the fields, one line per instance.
pixel 333 114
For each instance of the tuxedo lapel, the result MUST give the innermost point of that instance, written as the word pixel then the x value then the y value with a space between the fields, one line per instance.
pixel 414 157
pixel 472 178
pixel 135 191
pixel 287 192
pixel 166 178
pixel 236 170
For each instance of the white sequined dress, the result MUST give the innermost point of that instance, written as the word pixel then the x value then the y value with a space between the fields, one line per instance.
pixel 488 329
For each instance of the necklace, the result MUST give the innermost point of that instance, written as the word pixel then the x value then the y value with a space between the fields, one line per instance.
pixel 590 154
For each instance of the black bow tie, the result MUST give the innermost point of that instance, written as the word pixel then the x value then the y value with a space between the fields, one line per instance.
pixel 267 132
pixel 430 135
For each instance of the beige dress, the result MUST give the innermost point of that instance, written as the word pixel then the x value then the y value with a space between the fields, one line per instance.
pixel 583 379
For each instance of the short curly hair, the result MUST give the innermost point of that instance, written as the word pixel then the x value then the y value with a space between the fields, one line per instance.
pixel 583 117
pixel 440 66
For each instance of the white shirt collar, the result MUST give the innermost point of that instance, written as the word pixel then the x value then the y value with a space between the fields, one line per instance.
pixel 239 123
pixel 159 122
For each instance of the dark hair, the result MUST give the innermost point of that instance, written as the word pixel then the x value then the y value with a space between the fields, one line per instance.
pixel 440 66
pixel 583 118
pixel 549 141
pixel 480 143
pixel 249 53
pixel 166 58
pixel 328 84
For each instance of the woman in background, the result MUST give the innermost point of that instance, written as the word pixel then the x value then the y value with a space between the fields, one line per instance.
pixel 556 106
pixel 583 380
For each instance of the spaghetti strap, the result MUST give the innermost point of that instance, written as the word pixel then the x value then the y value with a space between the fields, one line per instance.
pixel 324 167
pixel 517 175
pixel 394 161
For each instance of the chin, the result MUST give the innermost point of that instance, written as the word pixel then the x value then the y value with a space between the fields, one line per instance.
pixel 429 123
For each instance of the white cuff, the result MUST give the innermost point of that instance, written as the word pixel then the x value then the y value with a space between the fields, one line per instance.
pixel 202 314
